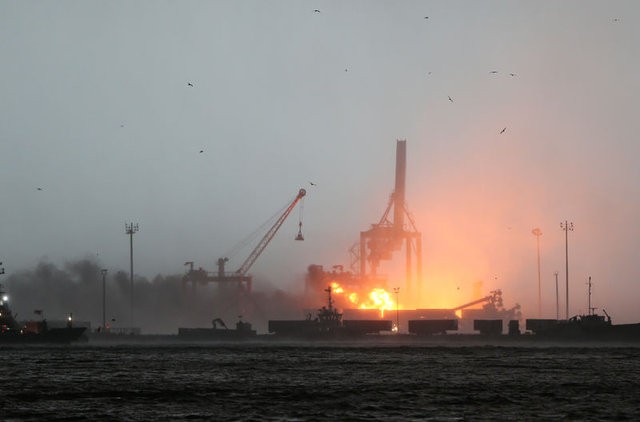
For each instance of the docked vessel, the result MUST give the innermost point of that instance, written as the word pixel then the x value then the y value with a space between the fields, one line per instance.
pixel 11 332
pixel 591 327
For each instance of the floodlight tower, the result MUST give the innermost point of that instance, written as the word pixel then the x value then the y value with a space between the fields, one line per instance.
pixel 537 233
pixel 567 227
pixel 104 302
pixel 557 301
pixel 131 229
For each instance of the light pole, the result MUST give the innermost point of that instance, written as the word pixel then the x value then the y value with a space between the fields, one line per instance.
pixel 557 301
pixel 130 229
pixel 537 233
pixel 104 302
pixel 396 290
pixel 567 227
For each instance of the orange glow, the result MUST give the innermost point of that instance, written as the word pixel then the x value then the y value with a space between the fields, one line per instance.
pixel 377 298
pixel 335 288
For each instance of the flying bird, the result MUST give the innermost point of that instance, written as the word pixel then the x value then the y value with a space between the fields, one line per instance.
pixel 346 69
pixel 616 19
pixel 494 72
pixel 312 184
pixel 190 84
pixel 201 151
pixel 38 188
pixel 450 99
pixel 426 17
pixel 512 74
pixel 502 131
pixel 316 11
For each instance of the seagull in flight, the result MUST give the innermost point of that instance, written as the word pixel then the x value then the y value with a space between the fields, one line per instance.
pixel 316 10
pixel 450 99
pixel 190 84
pixel 201 151
pixel 494 72
pixel 502 131
pixel 38 188
pixel 512 74
pixel 426 17
pixel 312 184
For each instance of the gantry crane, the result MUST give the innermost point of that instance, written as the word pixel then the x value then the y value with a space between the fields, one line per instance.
pixel 387 236
pixel 241 276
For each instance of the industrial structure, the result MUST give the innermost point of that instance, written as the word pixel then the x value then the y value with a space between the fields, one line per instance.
pixel 240 278
pixel 394 231
pixel 395 234
pixel 390 233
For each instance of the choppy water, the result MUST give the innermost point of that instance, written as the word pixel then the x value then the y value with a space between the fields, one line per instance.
pixel 311 382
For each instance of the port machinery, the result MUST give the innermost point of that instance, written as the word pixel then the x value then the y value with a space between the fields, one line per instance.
pixel 241 277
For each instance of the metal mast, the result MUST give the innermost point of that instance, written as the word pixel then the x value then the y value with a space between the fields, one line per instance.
pixel 537 233
pixel 131 229
pixel 104 302
pixel 566 226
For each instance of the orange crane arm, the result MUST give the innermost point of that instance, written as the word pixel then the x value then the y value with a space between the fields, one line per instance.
pixel 269 235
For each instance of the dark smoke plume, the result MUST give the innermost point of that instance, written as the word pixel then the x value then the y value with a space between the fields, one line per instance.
pixel 161 305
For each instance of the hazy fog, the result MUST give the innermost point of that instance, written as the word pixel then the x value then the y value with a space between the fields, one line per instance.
pixel 97 111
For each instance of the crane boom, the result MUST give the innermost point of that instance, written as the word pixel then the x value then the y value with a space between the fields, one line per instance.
pixel 494 297
pixel 269 235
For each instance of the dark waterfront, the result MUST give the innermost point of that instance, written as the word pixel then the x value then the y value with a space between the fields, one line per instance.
pixel 319 382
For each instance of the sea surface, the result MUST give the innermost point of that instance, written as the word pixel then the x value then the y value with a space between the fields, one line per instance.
pixel 298 382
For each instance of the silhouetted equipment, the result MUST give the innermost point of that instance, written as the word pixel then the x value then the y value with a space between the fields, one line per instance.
pixel 387 236
pixel 242 331
pixel 488 327
pixel 328 323
pixel 240 277
pixel 494 299
pixel 217 321
pixel 514 327
pixel 427 327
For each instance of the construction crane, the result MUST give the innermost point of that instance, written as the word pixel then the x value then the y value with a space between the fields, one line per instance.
pixel 240 276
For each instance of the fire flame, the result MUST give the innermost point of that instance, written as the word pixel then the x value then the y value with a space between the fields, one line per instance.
pixel 377 298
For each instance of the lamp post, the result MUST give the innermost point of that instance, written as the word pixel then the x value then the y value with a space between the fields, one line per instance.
pixel 396 290
pixel 130 229
pixel 104 301
pixel 537 233
pixel 557 300
pixel 567 227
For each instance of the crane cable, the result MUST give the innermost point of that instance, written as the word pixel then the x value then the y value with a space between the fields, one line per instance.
pixel 240 245
pixel 300 212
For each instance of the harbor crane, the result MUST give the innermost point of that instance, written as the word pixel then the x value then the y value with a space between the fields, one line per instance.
pixel 240 277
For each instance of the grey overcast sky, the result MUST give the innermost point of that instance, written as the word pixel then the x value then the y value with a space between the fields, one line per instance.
pixel 96 110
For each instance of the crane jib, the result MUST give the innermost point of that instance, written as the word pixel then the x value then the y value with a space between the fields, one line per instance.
pixel 269 235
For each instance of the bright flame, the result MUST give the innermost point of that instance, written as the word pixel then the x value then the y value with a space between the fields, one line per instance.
pixel 335 288
pixel 377 298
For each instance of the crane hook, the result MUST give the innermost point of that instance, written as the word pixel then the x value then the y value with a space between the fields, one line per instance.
pixel 299 236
